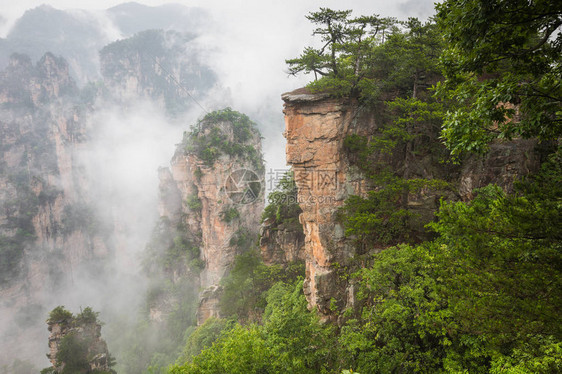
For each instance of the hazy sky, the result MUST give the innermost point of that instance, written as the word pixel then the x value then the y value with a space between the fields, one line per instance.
pixel 12 9
pixel 382 6
pixel 247 44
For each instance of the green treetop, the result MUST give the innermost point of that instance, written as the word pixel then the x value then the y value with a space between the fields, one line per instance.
pixel 502 69
pixel 347 47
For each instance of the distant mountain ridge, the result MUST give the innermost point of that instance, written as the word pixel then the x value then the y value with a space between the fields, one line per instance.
pixel 78 35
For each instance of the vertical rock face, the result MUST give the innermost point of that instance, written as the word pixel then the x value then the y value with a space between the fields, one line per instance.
pixel 281 244
pixel 217 174
pixel 316 127
pixel 504 164
pixel 47 224
pixel 44 210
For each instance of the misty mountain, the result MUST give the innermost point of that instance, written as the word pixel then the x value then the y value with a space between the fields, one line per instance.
pixel 78 35
pixel 131 18
pixel 157 65
pixel 83 95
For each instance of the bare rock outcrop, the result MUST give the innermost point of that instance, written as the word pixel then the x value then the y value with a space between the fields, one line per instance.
pixel 281 244
pixel 315 129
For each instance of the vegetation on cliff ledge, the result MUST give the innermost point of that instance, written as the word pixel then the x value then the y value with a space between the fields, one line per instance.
pixel 283 208
pixel 482 292
pixel 224 132
pixel 78 344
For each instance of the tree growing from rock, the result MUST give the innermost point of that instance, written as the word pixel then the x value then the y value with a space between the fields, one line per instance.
pixel 75 343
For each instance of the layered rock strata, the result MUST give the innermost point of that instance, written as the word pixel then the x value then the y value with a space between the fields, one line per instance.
pixel 315 129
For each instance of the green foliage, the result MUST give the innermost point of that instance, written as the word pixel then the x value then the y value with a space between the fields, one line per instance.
pixel 244 288
pixel 230 214
pixel 370 57
pixel 203 337
pixel 86 317
pixel 77 346
pixel 383 216
pixel 73 354
pixel 344 59
pixel 283 208
pixel 291 340
pixel 211 138
pixel 402 70
pixel 403 324
pixel 298 341
pixel 511 245
pixel 502 69
pixel 194 203
pixel 483 297
pixel 241 350
pixel 242 127
pixel 60 315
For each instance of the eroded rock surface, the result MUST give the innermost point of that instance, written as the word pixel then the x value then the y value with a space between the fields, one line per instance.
pixel 221 200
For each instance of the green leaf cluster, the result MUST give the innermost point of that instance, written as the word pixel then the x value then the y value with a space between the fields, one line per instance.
pixel 229 214
pixel 369 57
pixel 78 346
pixel 290 340
pixel 383 216
pixel 60 315
pixel 244 289
pixel 483 297
pixel 210 139
pixel 283 207
pixel 502 70
pixel 203 337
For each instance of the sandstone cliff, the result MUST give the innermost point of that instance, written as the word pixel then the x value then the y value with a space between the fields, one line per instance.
pixel 316 128
pixel 216 175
